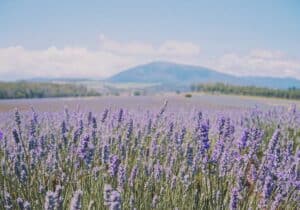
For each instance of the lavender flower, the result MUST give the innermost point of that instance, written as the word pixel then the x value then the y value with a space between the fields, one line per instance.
pixel 32 128
pixel 106 153
pixel 133 175
pixel 130 129
pixel 64 127
pixel 107 192
pixel 181 136
pixel 59 198
pixel 16 136
pixel 252 176
pixel 267 191
pixel 112 198
pixel 157 171
pixel 189 155
pixel 7 201
pixel 154 201
pixel 243 140
pixel 121 176
pixel 273 142
pixel 24 173
pixel 76 202
pixel 114 165
pixel 120 117
pixel 23 205
pixel 115 200
pixel 131 202
pixel 170 131
pixel 220 144
pixel 203 137
pixel 154 146
pixel 86 150
pixel 149 126
pixel 234 199
pixel 90 117
pixel 173 182
pixel 163 109
pixel 50 201
pixel 104 115
pixel 17 117
pixel 148 156
pixel 94 122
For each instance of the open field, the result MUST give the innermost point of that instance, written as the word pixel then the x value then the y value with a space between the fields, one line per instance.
pixel 203 101
pixel 204 152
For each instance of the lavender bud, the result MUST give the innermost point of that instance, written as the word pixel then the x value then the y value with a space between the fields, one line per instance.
pixel 7 201
pixel 76 202
pixel 114 165
pixel 105 154
pixel 104 115
pixel 133 175
pixel 50 201
pixel 243 140
pixel 234 199
pixel 121 176
pixel 155 201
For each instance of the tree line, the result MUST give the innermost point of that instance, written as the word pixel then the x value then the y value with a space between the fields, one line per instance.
pixel 291 93
pixel 10 90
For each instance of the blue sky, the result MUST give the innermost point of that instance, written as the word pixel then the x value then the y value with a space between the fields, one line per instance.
pixel 239 37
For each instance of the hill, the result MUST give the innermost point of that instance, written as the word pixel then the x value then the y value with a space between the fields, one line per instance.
pixel 172 74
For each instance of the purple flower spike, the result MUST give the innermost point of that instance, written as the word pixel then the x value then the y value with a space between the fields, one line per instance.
pixel 114 165
pixel 76 202
pixel 234 199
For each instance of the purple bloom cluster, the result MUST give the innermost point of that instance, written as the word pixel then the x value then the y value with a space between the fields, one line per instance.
pixel 147 159
pixel 114 165
pixel 76 202
pixel 112 198
pixel 86 150
pixel 1 135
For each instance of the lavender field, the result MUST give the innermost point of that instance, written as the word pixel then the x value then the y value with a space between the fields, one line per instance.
pixel 144 153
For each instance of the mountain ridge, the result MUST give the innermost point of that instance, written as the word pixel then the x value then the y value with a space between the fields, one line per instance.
pixel 168 73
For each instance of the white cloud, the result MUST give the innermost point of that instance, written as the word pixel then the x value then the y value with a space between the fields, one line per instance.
pixel 67 62
pixel 113 56
pixel 258 63
pixel 110 58
pixel 266 54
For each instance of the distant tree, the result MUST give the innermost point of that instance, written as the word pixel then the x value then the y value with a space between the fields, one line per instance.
pixel 188 95
pixel 42 90
pixel 291 93
pixel 136 93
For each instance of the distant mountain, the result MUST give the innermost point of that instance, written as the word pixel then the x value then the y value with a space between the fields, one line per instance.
pixel 172 74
